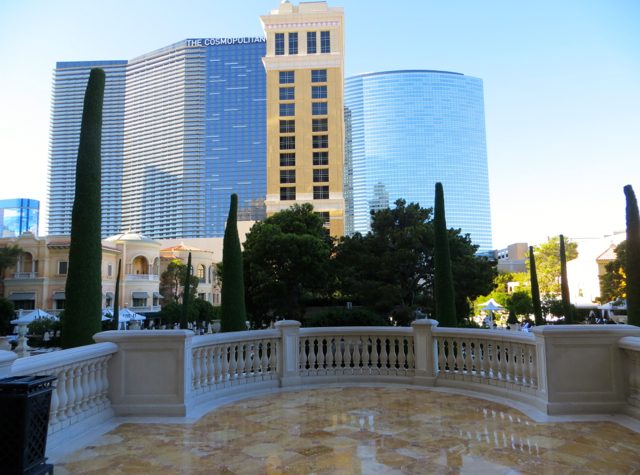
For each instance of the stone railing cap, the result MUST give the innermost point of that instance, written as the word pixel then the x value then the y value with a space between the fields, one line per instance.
pixel 116 336
pixel 587 331
pixel 288 324
pixel 7 357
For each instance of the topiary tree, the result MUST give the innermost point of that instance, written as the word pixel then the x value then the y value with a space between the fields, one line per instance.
pixel 535 289
pixel 185 316
pixel 7 313
pixel 633 257
pixel 234 315
pixel 83 308
pixel 564 285
pixel 512 319
pixel 115 323
pixel 444 291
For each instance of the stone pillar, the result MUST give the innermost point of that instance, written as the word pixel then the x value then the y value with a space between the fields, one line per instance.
pixel 426 357
pixel 6 363
pixel 150 375
pixel 288 353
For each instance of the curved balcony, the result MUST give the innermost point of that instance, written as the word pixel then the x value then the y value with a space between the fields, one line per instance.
pixel 151 277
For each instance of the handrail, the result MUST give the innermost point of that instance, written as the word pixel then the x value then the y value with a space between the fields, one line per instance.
pixel 233 337
pixel 405 331
pixel 629 343
pixel 55 359
pixel 498 335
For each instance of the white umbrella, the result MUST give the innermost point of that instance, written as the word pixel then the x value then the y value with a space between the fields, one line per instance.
pixel 490 304
pixel 30 317
pixel 107 312
pixel 126 315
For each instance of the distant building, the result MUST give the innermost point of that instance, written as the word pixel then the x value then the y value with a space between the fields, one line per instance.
pixel 19 215
pixel 512 258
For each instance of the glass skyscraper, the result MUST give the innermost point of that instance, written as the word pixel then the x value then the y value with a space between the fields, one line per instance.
pixel 18 216
pixel 407 130
pixel 184 127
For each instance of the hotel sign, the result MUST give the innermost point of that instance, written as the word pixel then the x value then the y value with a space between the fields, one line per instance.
pixel 224 41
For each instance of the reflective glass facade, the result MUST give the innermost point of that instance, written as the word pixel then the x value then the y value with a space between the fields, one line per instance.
pixel 407 130
pixel 18 216
pixel 184 127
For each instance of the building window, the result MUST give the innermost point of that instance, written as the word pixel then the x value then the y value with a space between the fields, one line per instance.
pixel 202 296
pixel 279 43
pixel 287 159
pixel 319 141
pixel 287 77
pixel 320 192
pixel 321 175
pixel 320 158
pixel 201 274
pixel 108 302
pixel 317 108
pixel 287 93
pixel 62 267
pixel 293 43
pixel 287 143
pixel 287 176
pixel 287 193
pixel 139 302
pixel 59 304
pixel 287 126
pixel 287 110
pixel 109 270
pixel 320 125
pixel 325 42
pixel 155 301
pixel 311 42
pixel 318 92
pixel 319 75
pixel 325 217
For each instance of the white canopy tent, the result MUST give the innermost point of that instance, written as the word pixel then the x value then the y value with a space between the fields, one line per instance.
pixel 30 317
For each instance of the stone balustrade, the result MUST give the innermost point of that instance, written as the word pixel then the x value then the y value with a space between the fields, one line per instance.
pixel 631 347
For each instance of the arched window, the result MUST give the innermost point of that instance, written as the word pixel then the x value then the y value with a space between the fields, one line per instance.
pixel 201 274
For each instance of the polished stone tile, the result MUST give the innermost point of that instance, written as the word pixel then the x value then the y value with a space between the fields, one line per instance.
pixel 343 431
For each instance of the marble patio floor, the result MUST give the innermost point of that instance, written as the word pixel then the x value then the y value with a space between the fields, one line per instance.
pixel 357 430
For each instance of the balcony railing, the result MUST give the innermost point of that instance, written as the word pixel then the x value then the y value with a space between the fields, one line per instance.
pixel 25 275
pixel 152 277
pixel 148 308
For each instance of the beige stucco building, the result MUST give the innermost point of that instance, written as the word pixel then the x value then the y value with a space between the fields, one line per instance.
pixel 305 109
pixel 203 266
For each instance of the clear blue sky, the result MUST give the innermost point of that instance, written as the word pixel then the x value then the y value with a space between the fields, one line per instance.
pixel 562 86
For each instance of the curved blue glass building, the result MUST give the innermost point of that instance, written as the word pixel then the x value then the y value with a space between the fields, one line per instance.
pixel 407 130
pixel 18 216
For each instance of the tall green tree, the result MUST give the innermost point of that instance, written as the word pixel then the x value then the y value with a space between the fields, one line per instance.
pixel 172 282
pixel 9 256
pixel 633 257
pixel 234 313
pixel 564 284
pixel 548 263
pixel 115 320
pixel 7 313
pixel 186 296
pixel 520 303
pixel 614 282
pixel 535 288
pixel 83 310
pixel 444 291
pixel 285 256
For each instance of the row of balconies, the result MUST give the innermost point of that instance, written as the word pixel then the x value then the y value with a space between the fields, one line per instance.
pixel 34 275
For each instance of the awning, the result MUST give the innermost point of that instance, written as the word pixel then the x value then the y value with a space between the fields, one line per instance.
pixel 157 295
pixel 110 295
pixel 58 296
pixel 23 296
pixel 140 295
pixel 103 296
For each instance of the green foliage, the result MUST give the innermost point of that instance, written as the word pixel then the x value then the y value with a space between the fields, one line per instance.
pixel 204 311
pixel 172 312
pixel 504 277
pixel 115 320
pixel 633 257
pixel 286 256
pixel 44 324
pixel 7 313
pixel 520 303
pixel 564 284
pixel 234 314
pixel 613 284
pixel 173 279
pixel 185 317
pixel 548 263
pixel 551 304
pixel 84 280
pixel 9 256
pixel 346 318
pixel 512 320
pixel 500 297
pixel 468 323
pixel 443 281
pixel 535 289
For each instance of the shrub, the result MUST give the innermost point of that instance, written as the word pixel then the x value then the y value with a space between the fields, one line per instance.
pixel 346 318
pixel 468 323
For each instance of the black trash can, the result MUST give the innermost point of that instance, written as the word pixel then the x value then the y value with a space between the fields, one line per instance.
pixel 25 402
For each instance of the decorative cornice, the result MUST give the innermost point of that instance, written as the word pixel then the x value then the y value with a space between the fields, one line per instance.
pixel 315 24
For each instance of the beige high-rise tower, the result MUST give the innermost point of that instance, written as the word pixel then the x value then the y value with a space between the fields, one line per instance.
pixel 305 116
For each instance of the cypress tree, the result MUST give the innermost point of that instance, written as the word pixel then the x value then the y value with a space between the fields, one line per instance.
pixel 535 289
pixel 633 258
pixel 444 291
pixel 184 318
pixel 83 310
pixel 115 324
pixel 564 284
pixel 234 315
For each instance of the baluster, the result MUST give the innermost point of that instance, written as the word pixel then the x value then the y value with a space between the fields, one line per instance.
pixel 93 387
pixel 494 363
pixel 534 368
pixel 104 397
pixel 517 350
pixel 375 356
pixel 410 354
pixel 473 362
pixel 77 387
pixel 204 367
pixel 55 404
pixel 195 380
pixel 273 359
pixel 248 360
pixel 304 345
pixel 226 357
pixel 511 364
pixel 62 395
pixel 321 354
pixel 526 366
pixel 402 356
pixel 84 405
pixel 442 360
pixel 346 356
pixel 480 359
pixel 465 349
pixel 393 356
pixel 340 343
pixel 459 357
pixel 357 355
pixel 233 361
pixel 366 355
pixel 98 378
pixel 71 394
pixel 502 355
pixel 255 361
pixel 384 368
pixel 265 358
pixel 218 375
pixel 312 355
pixel 331 348
pixel 243 352
pixel 211 376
